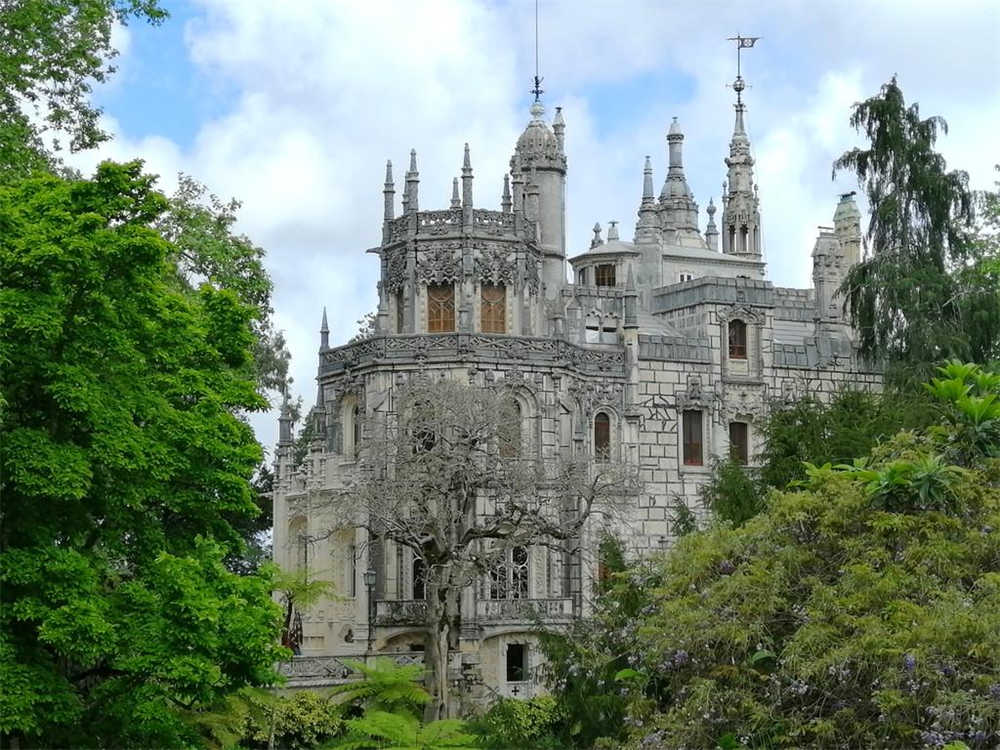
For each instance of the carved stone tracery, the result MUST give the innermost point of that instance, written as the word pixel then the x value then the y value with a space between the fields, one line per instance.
pixel 439 266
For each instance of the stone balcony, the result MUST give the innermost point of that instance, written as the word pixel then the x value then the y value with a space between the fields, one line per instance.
pixel 406 612
pixel 525 611
pixel 455 222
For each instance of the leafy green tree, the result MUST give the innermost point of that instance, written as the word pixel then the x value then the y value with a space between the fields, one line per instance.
pixel 904 296
pixel 733 492
pixel 122 456
pixel 381 730
pixel 525 724
pixel 51 54
pixel 862 610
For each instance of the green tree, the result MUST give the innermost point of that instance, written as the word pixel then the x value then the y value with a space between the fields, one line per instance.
pixel 904 296
pixel 122 457
pixel 51 54
pixel 862 610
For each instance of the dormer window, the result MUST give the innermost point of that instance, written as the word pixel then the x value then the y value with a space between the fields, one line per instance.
pixel 604 274
pixel 737 339
pixel 440 308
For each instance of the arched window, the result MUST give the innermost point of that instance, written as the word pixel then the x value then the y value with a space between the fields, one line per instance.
pixel 419 578
pixel 494 308
pixel 509 577
pixel 602 436
pixel 440 308
pixel 510 429
pixel 737 339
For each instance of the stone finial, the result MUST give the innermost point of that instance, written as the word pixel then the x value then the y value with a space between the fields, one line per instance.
pixel 285 421
pixel 388 193
pixel 324 332
pixel 505 200
pixel 456 202
pixel 711 231
pixel 647 181
pixel 466 178
pixel 412 183
pixel 597 236
pixel 559 128
pixel 612 230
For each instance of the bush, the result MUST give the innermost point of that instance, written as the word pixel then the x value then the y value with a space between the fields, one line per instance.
pixel 525 725
pixel 733 493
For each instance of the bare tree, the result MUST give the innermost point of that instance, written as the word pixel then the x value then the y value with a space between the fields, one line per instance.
pixel 449 476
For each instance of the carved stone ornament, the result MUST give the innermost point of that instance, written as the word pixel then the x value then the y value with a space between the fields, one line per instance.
pixel 494 267
pixel 531 273
pixel 395 271
pixel 439 266
pixel 694 396
pixel 748 315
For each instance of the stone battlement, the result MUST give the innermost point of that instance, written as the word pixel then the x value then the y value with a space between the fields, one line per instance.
pixel 459 222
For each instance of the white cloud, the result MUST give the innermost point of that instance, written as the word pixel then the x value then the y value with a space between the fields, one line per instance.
pixel 327 91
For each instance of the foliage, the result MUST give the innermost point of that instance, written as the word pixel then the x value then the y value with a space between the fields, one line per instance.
pixel 253 529
pixel 683 521
pixel 51 53
pixel 301 720
pixel 733 492
pixel 386 686
pixel 589 667
pixel 523 724
pixel 382 730
pixel 200 229
pixel 848 426
pixel 366 328
pixel 862 610
pixel 121 460
pixel 904 297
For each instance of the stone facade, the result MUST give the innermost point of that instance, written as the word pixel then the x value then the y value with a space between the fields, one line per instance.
pixel 678 347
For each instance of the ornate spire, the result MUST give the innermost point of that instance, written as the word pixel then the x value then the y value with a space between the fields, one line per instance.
pixel 324 332
pixel 678 210
pixel 285 421
pixel 466 178
pixel 505 201
pixel 711 231
pixel 456 202
pixel 741 231
pixel 647 227
pixel 412 183
pixel 647 182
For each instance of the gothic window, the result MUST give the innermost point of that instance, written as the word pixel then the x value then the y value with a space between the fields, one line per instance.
pixel 440 308
pixel 602 436
pixel 744 233
pixel 419 578
pixel 510 432
pixel 509 577
pixel 604 274
pixel 494 308
pixel 737 339
pixel 739 448
pixel 692 438
pixel 299 541
pixel 516 653
pixel 399 312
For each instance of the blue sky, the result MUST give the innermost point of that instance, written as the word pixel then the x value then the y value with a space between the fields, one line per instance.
pixel 294 107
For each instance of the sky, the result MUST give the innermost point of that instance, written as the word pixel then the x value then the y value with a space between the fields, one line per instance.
pixel 294 108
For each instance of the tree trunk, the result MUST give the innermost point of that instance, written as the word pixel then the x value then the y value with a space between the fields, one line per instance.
pixel 443 632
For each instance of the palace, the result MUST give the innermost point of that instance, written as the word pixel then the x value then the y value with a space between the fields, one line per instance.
pixel 664 351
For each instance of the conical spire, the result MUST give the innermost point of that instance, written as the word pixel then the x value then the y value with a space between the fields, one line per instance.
pixel 647 182
pixel 388 193
pixel 505 201
pixel 466 178
pixel 324 332
pixel 412 183
pixel 456 202
pixel 741 230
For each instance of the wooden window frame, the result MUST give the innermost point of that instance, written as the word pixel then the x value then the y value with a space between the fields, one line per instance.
pixel 493 312
pixel 602 436
pixel 604 274
pixel 737 330
pixel 440 308
pixel 739 444
pixel 693 436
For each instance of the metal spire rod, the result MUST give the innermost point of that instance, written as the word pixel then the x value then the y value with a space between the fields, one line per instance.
pixel 537 91
pixel 741 43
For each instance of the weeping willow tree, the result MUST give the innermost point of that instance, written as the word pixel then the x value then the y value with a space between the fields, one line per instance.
pixel 906 298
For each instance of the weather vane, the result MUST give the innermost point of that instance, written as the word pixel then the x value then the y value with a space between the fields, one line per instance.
pixel 742 42
pixel 537 91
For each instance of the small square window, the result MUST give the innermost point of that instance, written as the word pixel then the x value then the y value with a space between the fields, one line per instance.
pixel 604 274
